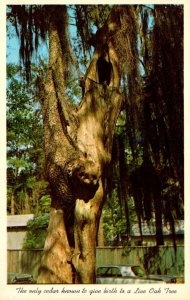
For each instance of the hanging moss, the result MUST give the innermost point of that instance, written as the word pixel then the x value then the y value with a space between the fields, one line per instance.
pixel 154 114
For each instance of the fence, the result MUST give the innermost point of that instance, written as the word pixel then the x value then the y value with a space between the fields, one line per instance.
pixel 156 260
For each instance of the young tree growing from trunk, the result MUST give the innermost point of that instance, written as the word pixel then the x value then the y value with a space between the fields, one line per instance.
pixel 78 143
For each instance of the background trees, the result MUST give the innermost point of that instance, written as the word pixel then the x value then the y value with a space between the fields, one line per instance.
pixel 147 154
pixel 26 185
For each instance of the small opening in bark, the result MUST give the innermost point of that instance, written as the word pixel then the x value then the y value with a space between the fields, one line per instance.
pixel 104 70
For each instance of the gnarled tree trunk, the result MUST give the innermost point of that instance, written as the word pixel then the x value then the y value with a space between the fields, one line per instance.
pixel 78 143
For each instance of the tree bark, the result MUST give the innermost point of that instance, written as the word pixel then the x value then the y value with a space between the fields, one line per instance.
pixel 101 240
pixel 13 202
pixel 78 143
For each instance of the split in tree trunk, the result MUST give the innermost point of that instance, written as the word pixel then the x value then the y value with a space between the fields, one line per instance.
pixel 78 143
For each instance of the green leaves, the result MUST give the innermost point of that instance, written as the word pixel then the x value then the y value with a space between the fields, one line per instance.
pixel 37 230
pixel 45 203
pixel 25 157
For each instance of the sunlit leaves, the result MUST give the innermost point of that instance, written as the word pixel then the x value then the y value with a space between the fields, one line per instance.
pixel 25 158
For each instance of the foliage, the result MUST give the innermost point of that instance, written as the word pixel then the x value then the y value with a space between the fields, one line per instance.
pixel 25 158
pixel 36 234
pixel 45 203
pixel 115 229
